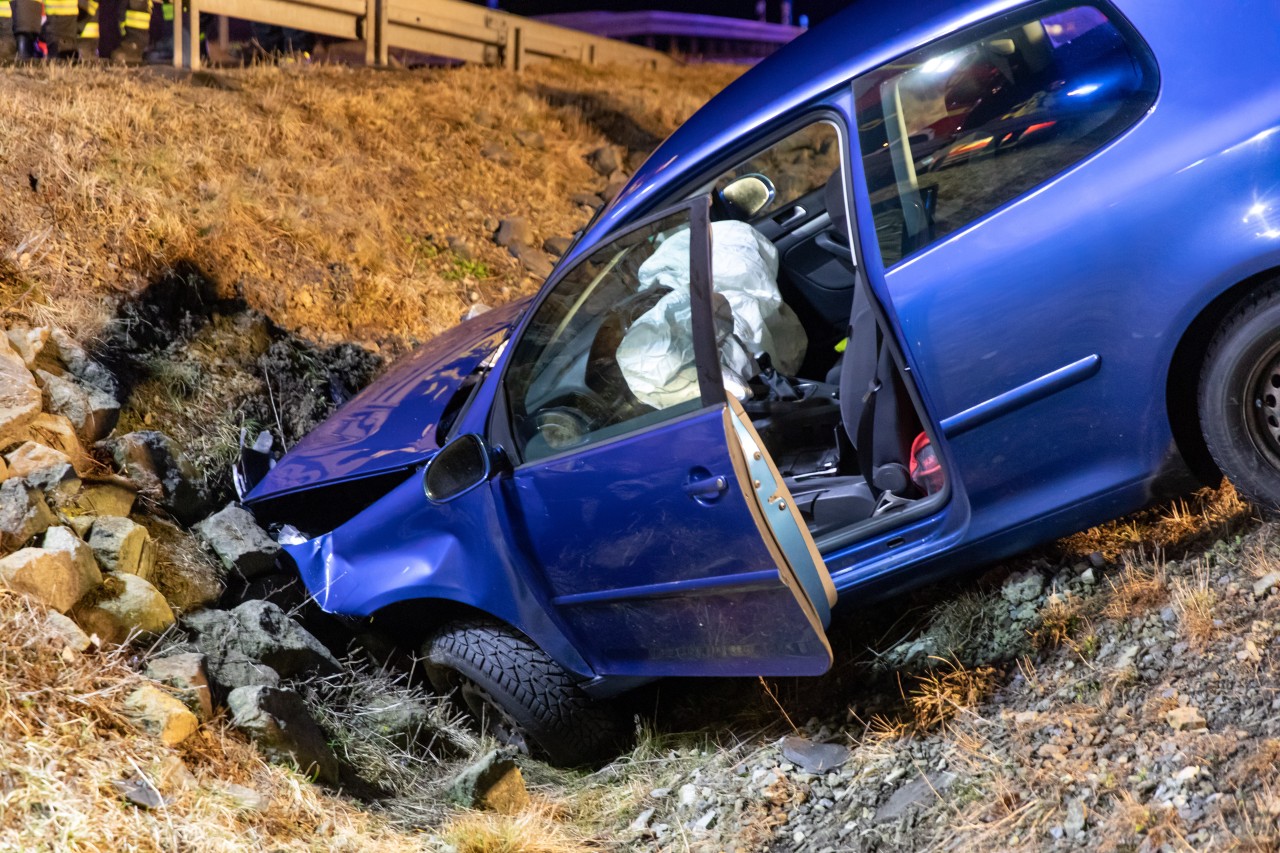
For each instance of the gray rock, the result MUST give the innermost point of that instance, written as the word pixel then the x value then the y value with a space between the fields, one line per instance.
pixel 493 783
pixel 235 669
pixel 91 411
pixel 49 470
pixel 495 152
pixel 20 397
pixel 123 546
pixel 78 363
pixel 814 757
pixel 604 160
pixel 186 673
pixel 641 823
pixel 262 632
pixel 557 246
pixel 65 539
pixel 139 792
pixel 531 139
pixel 1076 816
pixel 531 259
pixel 400 721
pixel 128 605
pixel 460 247
pixel 1263 585
pixel 513 232
pixel 611 190
pixel 279 723
pixel 151 460
pixel 1023 587
pixel 47 576
pixel 920 792
pixel 23 514
pixel 239 542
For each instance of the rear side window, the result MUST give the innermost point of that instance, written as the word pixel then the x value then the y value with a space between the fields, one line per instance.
pixel 964 125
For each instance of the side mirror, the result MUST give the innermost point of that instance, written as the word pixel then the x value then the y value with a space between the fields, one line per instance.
pixel 748 195
pixel 459 467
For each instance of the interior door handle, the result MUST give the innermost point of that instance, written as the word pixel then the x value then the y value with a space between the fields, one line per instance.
pixel 790 216
pixel 706 488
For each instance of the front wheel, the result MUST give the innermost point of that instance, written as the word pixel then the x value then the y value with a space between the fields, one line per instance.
pixel 1239 399
pixel 519 695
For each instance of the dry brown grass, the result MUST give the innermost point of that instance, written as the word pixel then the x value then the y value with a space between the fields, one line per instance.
pixel 63 740
pixel 323 195
pixel 1193 600
pixel 938 696
pixel 535 830
pixel 1140 586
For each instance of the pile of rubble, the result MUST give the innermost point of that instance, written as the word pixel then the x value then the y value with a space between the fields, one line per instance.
pixel 78 505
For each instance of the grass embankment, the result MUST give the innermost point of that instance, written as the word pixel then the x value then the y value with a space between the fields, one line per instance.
pixel 317 205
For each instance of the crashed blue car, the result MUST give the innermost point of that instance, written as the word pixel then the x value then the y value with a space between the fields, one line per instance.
pixel 935 283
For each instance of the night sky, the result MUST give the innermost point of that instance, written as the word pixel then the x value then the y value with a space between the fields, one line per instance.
pixel 815 9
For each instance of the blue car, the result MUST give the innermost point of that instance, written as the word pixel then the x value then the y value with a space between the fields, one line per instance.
pixel 933 284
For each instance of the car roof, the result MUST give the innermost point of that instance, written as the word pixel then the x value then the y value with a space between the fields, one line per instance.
pixel 865 35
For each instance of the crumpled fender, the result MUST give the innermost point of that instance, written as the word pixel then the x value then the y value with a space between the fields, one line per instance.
pixel 404 548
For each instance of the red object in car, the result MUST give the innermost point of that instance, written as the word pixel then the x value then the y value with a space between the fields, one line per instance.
pixel 926 471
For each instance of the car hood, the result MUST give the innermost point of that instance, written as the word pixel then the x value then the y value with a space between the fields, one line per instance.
pixel 391 424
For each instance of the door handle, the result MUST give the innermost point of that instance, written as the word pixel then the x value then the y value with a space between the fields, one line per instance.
pixel 707 488
pixel 790 216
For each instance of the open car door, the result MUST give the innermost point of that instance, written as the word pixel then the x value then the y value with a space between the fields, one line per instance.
pixel 664 536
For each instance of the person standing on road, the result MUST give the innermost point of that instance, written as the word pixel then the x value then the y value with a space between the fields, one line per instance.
pixel 26 16
pixel 136 34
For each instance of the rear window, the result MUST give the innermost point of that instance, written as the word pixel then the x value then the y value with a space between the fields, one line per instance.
pixel 964 125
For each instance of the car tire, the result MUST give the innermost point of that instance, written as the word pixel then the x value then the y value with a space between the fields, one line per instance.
pixel 1239 399
pixel 519 695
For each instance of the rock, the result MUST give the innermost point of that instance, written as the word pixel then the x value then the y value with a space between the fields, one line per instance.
pixel 534 261
pixel 65 539
pixel 1185 718
pixel 513 232
pixel 23 514
pixel 105 499
pixel 49 470
pixel 28 343
pixel 493 783
pixel 921 791
pixel 50 577
pixel 239 542
pixel 236 669
pixel 1263 585
pixel 495 152
pixel 704 822
pixel 122 546
pixel 128 605
pixel 1023 587
pixel 557 246
pixel 20 397
pixel 1075 820
pixel 159 714
pixel 688 795
pixel 611 190
pixel 151 460
pixel 484 118
pixel 814 757
pixel 187 674
pixel 174 775
pixel 585 199
pixel 65 633
pixel 76 360
pixel 59 433
pixel 604 160
pixel 460 247
pixel 261 631
pixel 641 823
pixel 400 721
pixel 90 410
pixel 531 139
pixel 244 799
pixel 140 792
pixel 279 723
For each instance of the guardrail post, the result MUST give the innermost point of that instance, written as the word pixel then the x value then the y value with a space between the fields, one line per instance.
pixel 513 51
pixel 375 33
pixel 192 33
pixel 177 35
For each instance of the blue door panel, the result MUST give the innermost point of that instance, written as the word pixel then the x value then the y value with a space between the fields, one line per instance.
pixel 651 580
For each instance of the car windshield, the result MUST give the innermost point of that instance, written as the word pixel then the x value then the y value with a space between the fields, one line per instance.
pixel 954 130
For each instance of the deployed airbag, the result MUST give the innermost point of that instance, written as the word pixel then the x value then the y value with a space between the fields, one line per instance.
pixel 656 354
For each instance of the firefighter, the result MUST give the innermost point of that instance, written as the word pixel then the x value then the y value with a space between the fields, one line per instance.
pixel 61 26
pixel 135 34
pixel 26 29
pixel 88 43
pixel 8 46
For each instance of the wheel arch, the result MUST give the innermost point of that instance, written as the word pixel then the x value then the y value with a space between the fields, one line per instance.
pixel 1188 361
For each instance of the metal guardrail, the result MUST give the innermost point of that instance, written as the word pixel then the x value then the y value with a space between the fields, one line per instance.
pixel 448 28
